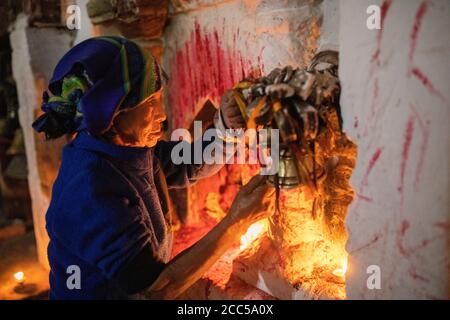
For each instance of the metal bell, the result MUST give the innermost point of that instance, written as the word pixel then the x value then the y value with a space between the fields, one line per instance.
pixel 287 171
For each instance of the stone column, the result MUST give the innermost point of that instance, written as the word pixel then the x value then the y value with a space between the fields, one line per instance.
pixel 35 54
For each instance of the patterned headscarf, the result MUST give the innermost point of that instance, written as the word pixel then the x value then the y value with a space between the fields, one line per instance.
pixel 94 80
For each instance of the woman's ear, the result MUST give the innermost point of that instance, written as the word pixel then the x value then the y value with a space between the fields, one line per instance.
pixel 117 133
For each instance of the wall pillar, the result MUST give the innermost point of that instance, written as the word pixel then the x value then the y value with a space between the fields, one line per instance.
pixel 35 54
pixel 396 106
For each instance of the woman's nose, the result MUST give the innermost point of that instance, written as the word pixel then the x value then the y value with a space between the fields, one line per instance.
pixel 160 113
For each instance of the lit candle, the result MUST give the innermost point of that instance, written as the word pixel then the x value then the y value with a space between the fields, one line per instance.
pixel 340 272
pixel 20 277
pixel 21 287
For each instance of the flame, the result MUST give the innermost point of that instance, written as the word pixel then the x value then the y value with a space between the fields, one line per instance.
pixel 340 272
pixel 19 276
pixel 255 231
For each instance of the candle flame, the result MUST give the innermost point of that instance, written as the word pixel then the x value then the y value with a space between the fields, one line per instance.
pixel 340 272
pixel 253 232
pixel 19 276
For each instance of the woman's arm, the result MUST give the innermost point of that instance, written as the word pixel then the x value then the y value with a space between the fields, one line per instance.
pixel 252 203
pixel 228 116
pixel 184 174
pixel 186 268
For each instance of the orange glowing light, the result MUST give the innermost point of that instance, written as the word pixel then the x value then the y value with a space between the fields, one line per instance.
pixel 19 276
pixel 253 232
pixel 340 272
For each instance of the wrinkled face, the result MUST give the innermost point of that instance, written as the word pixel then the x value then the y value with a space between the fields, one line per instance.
pixel 141 126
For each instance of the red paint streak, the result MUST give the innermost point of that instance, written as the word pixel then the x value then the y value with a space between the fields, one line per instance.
pixel 425 130
pixel 408 251
pixel 413 273
pixel 416 72
pixel 400 235
pixel 374 239
pixel 405 225
pixel 443 225
pixel 376 93
pixel 416 28
pixel 372 163
pixel 204 67
pixel 409 132
pixel 365 198
pixel 423 152
pixel 384 10
pixel 355 124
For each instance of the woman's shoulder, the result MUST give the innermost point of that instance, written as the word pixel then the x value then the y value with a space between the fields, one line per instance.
pixel 89 170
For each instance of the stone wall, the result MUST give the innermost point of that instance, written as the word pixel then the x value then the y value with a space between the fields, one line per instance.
pixel 211 45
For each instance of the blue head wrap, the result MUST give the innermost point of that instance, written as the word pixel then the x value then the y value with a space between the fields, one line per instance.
pixel 92 81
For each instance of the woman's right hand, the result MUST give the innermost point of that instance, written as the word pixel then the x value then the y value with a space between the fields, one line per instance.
pixel 251 204
pixel 255 201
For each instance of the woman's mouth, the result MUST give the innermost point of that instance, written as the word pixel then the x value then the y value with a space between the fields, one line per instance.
pixel 158 133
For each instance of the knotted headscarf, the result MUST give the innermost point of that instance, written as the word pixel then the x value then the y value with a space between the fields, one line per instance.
pixel 94 80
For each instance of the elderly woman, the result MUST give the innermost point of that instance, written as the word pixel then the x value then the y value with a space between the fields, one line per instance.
pixel 108 213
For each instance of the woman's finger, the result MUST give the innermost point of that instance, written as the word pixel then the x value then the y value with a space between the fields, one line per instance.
pixel 235 122
pixel 265 190
pixel 227 97
pixel 233 111
pixel 236 118
pixel 254 182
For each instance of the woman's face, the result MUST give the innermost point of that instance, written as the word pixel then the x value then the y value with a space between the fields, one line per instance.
pixel 141 126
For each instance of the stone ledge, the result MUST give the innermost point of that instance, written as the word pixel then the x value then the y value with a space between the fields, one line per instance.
pixel 259 266
pixel 219 283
